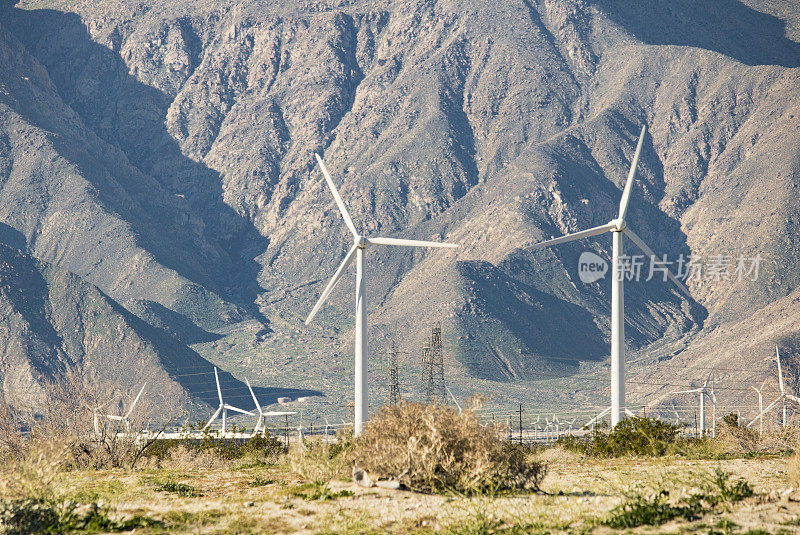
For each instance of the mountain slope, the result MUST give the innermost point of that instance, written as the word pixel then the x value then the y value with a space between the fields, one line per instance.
pixel 494 125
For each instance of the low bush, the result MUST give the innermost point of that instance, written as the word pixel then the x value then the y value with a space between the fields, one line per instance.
pixel 632 436
pixel 211 451
pixel 435 448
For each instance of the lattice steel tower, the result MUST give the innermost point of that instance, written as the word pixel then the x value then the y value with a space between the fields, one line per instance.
pixel 394 378
pixel 433 390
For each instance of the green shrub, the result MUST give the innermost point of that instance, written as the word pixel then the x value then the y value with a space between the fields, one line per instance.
pixel 28 515
pixel 632 436
pixel 259 446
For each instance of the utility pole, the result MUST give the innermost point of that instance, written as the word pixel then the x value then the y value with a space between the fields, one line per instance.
pixel 394 379
pixel 520 422
pixel 433 385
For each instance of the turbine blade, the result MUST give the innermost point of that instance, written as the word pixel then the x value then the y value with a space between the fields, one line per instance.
pixel 780 372
pixel 237 409
pixel 411 243
pixel 219 391
pixel 653 258
pixel 626 193
pixel 693 391
pixel 135 400
pixel 348 259
pixel 577 235
pixel 253 394
pixel 771 405
pixel 596 418
pixel 336 197
pixel 213 417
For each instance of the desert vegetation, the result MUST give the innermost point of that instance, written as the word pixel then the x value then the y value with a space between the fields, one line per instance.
pixel 429 469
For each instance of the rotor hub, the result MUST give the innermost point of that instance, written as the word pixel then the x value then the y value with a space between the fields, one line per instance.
pixel 360 242
pixel 620 225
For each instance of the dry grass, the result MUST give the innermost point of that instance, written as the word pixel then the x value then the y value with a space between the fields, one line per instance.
pixel 793 469
pixel 33 470
pixel 430 447
pixel 318 461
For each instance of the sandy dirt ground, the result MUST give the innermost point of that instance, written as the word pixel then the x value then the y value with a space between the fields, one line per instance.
pixel 576 495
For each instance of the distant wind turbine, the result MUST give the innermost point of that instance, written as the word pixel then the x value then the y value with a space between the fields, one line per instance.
pixel 617 227
pixel 125 419
pixel 781 399
pixel 223 407
pixel 701 391
pixel 760 407
pixel 261 413
pixel 356 252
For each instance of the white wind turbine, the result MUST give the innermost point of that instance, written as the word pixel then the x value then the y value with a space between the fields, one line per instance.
pixel 760 417
pixel 781 399
pixel 356 252
pixel 261 413
pixel 96 415
pixel 223 407
pixel 617 227
pixel 125 418
pixel 701 391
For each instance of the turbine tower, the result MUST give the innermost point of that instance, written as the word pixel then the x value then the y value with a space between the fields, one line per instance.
pixel 701 391
pixel 356 252
pixel 618 227
pixel 394 379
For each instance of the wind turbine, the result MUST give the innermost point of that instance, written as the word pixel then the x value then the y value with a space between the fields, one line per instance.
pixel 261 413
pixel 125 419
pixel 781 399
pixel 223 407
pixel 356 252
pixel 760 416
pixel 96 415
pixel 701 391
pixel 617 227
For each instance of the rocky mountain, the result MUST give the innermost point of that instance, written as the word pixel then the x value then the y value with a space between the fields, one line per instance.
pixel 55 323
pixel 163 152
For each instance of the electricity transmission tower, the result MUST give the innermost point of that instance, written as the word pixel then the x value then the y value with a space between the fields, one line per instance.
pixel 394 379
pixel 433 389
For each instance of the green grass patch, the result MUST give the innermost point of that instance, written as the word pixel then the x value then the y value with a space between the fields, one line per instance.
pixel 318 491
pixel 657 508
pixel 181 489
